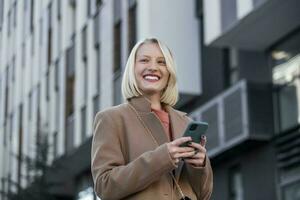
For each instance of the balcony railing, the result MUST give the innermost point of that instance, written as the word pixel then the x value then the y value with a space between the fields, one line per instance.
pixel 241 113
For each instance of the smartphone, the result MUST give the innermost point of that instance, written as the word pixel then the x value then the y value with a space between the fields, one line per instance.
pixel 194 130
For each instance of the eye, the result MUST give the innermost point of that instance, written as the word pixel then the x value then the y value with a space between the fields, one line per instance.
pixel 144 60
pixel 162 62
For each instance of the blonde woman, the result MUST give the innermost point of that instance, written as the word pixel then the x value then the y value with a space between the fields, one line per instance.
pixel 136 151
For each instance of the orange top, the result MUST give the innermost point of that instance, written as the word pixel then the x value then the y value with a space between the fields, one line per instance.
pixel 165 120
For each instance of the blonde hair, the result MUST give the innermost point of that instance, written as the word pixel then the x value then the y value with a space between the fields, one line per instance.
pixel 129 84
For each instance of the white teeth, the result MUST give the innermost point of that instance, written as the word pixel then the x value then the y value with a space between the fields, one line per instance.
pixel 151 77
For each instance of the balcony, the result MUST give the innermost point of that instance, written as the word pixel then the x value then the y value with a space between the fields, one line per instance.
pixel 240 115
pixel 238 24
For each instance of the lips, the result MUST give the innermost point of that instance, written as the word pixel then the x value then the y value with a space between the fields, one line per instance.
pixel 151 77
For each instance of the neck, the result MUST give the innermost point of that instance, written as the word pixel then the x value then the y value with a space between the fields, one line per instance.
pixel 155 101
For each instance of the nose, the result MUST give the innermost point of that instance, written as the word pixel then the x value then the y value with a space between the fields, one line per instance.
pixel 152 66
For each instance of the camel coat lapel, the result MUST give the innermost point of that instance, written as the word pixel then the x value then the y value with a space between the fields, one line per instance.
pixel 177 121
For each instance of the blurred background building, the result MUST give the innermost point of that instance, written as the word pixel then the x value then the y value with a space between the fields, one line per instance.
pixel 238 61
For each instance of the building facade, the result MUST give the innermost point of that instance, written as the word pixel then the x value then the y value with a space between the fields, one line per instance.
pixel 61 62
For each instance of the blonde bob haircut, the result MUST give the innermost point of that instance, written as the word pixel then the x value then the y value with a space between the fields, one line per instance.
pixel 129 84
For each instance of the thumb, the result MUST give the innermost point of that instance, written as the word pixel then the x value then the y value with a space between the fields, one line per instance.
pixel 203 140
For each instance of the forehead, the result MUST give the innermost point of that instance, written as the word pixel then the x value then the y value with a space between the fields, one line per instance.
pixel 149 49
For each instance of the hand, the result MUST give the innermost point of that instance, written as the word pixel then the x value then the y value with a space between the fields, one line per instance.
pixel 176 152
pixel 198 159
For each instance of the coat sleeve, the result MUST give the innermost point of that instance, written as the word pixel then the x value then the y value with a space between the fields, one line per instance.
pixel 201 179
pixel 113 177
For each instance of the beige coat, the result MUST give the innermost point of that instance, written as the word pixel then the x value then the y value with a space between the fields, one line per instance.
pixel 127 163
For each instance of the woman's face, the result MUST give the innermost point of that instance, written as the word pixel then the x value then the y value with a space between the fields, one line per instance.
pixel 150 69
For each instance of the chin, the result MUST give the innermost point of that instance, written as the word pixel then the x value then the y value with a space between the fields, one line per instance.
pixel 151 91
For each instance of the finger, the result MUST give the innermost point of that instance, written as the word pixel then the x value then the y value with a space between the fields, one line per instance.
pixel 181 140
pixel 195 162
pixel 186 154
pixel 198 156
pixel 198 146
pixel 203 140
pixel 184 149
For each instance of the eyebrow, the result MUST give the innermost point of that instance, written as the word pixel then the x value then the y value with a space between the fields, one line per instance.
pixel 148 56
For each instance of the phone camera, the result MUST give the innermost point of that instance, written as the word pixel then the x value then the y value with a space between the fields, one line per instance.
pixel 193 127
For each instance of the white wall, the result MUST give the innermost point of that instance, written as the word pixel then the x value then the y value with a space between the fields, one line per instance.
pixel 175 23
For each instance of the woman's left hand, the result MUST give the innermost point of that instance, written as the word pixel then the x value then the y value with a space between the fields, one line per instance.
pixel 198 160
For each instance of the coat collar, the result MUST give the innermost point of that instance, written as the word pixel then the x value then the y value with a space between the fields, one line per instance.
pixel 177 119
pixel 178 123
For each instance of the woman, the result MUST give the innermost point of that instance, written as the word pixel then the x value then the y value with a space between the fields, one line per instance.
pixel 136 151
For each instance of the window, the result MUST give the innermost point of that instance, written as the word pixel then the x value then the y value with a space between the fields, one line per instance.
pixel 232 74
pixel 97 30
pixel 15 14
pixel 117 47
pixel 20 146
pixel 38 117
pixel 6 95
pixel 132 27
pixel 84 43
pixel 83 123
pixel 32 41
pixel 291 191
pixel 59 28
pixel 56 78
pixel 49 34
pixel 29 105
pixel 85 62
pixel 13 69
pixel 55 143
pixel 236 191
pixel 8 23
pixel 23 55
pixel 31 15
pixel 69 101
pixel 1 13
pixel 41 32
pixel 117 63
pixel 88 6
pixel 96 104
pixel 58 9
pixel 98 71
pixel 57 111
pixel 73 16
pixel 47 85
pixel 285 59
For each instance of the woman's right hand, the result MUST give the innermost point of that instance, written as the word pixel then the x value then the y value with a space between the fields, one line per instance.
pixel 176 152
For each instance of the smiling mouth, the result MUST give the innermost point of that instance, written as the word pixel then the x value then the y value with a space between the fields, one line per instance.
pixel 151 77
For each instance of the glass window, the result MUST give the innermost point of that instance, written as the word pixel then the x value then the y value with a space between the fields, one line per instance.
pixel 29 105
pixel 1 13
pixel 56 78
pixel 235 184
pixel 292 191
pixel 83 123
pixel 132 27
pixel 15 14
pixel 96 104
pixel 58 9
pixel 31 15
pixel 97 30
pixel 84 43
pixel 285 59
pixel 84 188
pixel 49 34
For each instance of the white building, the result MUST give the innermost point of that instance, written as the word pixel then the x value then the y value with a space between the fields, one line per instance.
pixel 61 61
